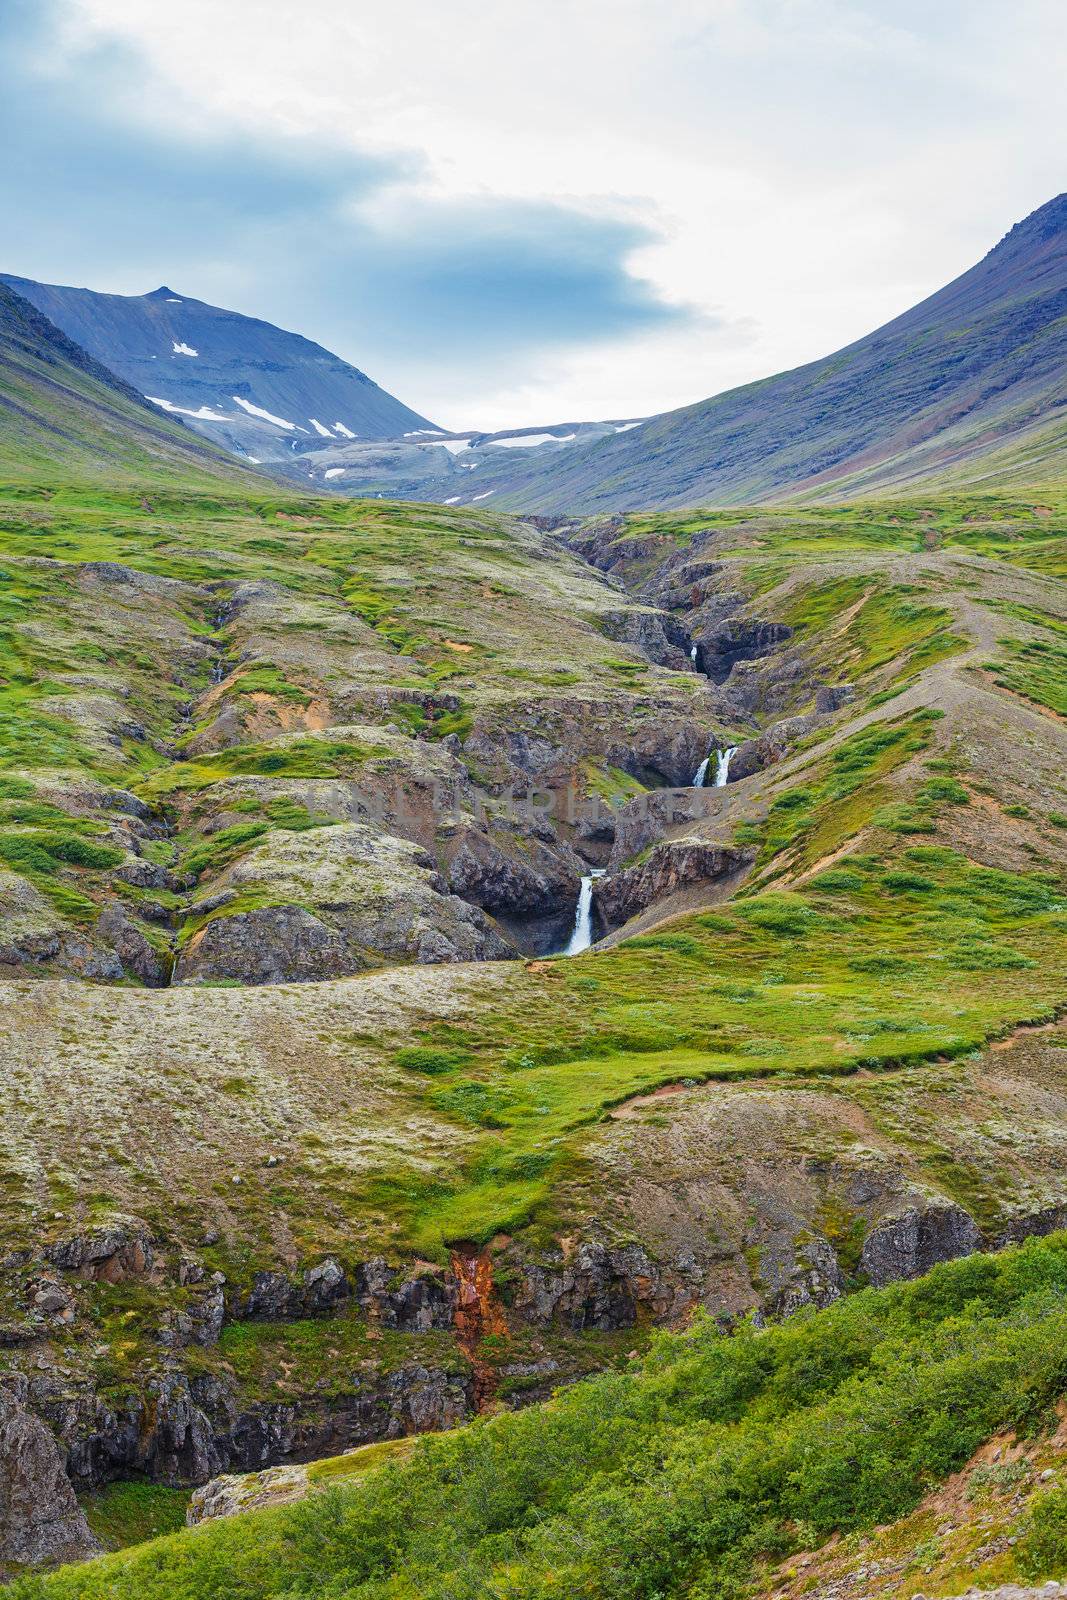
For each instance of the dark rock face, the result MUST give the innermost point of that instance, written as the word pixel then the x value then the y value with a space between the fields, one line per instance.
pixel 657 635
pixel 273 944
pixel 645 820
pixel 672 865
pixel 771 746
pixel 775 743
pixel 600 1288
pixel 40 1520
pixel 809 1275
pixel 483 873
pixel 138 958
pixel 122 1250
pixel 720 649
pixel 908 1245
pixel 180 1430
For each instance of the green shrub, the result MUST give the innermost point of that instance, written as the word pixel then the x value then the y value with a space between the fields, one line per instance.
pixel 430 1060
pixel 1043 1551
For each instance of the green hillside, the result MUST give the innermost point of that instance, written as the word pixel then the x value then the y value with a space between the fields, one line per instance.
pixel 691 1474
pixel 316 1139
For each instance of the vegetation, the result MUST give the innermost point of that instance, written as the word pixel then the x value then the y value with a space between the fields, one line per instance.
pixel 686 1476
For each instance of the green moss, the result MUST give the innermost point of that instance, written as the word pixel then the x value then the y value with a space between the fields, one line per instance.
pixel 124 1514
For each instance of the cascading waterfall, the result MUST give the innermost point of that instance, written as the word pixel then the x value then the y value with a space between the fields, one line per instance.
pixel 722 768
pixel 693 655
pixel 582 937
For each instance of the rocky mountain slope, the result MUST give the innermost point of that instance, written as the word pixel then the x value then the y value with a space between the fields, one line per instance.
pixel 244 384
pixel 968 386
pixel 64 415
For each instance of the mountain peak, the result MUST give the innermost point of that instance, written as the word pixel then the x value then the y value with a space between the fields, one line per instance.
pixel 1047 222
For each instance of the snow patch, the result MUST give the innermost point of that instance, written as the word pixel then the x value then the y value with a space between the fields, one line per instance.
pixel 418 433
pixel 346 433
pixel 268 416
pixel 334 472
pixel 626 426
pixel 524 441
pixel 323 433
pixel 172 300
pixel 453 446
pixel 205 413
pixel 452 500
pixel 182 349
pixel 484 496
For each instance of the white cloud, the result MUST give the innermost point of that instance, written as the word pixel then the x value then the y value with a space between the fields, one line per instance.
pixel 811 166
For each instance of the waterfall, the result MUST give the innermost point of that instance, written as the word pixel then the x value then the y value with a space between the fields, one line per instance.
pixel 693 655
pixel 722 765
pixel 582 937
pixel 722 768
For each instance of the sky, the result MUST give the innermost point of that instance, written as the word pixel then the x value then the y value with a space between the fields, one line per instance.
pixel 533 212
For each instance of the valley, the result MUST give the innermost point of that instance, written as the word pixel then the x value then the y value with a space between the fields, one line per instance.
pixel 592 987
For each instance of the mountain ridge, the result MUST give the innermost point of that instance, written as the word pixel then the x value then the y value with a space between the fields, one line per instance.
pixel 61 409
pixel 808 430
pixel 241 381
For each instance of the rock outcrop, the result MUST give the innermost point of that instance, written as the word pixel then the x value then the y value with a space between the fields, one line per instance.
pixel 333 902
pixel 40 1519
pixel 909 1244
pixel 673 865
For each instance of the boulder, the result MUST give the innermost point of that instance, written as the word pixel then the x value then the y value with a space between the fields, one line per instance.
pixel 913 1241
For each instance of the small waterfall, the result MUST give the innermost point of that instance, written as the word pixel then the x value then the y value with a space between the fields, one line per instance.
pixel 693 655
pixel 582 937
pixel 722 768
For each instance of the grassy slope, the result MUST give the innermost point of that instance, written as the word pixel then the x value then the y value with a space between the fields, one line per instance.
pixel 689 1475
pixel 441 1105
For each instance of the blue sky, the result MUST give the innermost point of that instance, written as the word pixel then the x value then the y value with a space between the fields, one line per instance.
pixel 537 214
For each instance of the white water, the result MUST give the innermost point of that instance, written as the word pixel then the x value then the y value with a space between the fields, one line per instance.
pixel 693 654
pixel 722 768
pixel 582 937
pixel 722 765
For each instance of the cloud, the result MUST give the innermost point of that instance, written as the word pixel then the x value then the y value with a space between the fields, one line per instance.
pixel 544 210
pixel 343 244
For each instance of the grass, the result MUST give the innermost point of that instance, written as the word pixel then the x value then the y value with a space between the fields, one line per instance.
pixel 327 1352
pixel 123 1514
pixel 871 965
pixel 1035 669
pixel 689 1475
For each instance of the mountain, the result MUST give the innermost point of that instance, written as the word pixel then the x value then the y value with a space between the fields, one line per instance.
pixel 247 385
pixel 62 414
pixel 430 464
pixel 968 385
